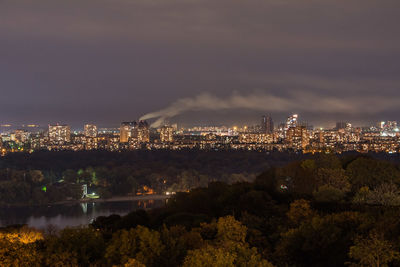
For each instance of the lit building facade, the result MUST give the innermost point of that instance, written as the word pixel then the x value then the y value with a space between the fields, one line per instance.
pixel 167 134
pixel 20 136
pixel 141 132
pixel 297 137
pixel 125 131
pixel 254 138
pixel 59 134
pixel 90 130
pixel 291 121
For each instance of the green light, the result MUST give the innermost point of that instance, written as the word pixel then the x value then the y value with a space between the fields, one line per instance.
pixel 44 189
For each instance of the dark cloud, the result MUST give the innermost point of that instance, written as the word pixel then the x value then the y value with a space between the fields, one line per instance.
pixel 107 61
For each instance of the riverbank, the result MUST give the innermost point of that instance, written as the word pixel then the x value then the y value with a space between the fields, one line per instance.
pixel 77 213
pixel 94 200
pixel 114 199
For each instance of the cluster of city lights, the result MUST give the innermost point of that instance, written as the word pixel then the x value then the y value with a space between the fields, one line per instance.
pixel 290 135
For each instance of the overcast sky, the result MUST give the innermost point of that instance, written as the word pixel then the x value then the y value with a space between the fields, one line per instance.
pixel 107 61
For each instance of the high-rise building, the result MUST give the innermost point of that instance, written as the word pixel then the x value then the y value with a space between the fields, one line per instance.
pixel 390 125
pixel 3 151
pixel 297 137
pixel 267 125
pixel 291 121
pixel 141 132
pixel 135 132
pixel 90 130
pixel 59 134
pixel 343 126
pixel 340 125
pixel 166 134
pixel 330 138
pixel 125 131
pixel 21 136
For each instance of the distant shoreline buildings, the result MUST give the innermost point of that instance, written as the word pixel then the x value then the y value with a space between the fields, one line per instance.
pixel 292 135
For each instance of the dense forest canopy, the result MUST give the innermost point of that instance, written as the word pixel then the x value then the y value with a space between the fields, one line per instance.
pixel 321 210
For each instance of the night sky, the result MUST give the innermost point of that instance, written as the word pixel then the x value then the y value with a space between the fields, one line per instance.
pixel 199 62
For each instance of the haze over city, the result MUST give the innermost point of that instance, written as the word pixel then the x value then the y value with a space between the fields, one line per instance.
pixel 198 62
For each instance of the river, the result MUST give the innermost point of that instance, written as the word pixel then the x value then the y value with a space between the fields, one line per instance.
pixel 71 214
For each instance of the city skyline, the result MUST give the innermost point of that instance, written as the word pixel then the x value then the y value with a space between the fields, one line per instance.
pixel 291 135
pixel 326 60
pixel 273 123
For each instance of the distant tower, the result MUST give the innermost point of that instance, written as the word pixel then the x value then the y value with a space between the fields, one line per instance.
pixel 291 121
pixel 297 137
pixel 90 130
pixel 166 134
pixel 21 136
pixel 267 124
pixel 340 125
pixel 141 132
pixel 125 131
pixel 59 134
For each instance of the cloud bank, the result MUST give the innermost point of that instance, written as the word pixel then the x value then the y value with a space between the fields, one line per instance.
pixel 65 61
pixel 266 102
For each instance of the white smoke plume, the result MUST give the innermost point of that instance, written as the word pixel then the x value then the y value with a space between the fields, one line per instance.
pixel 299 101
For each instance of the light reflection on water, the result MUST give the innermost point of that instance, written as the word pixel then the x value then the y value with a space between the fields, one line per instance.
pixel 70 215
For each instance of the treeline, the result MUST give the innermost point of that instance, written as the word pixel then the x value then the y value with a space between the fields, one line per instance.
pixel 45 177
pixel 320 211
pixel 217 161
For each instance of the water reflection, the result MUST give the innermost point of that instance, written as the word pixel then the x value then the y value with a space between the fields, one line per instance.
pixel 70 214
pixel 84 207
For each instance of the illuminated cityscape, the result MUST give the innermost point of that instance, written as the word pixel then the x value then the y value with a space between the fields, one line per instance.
pixel 166 134
pixel 199 133
pixel 90 130
pixel 292 135
pixel 59 134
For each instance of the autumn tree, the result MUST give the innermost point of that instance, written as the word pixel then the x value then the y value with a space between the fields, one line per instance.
pixel 371 173
pixel 299 211
pixel 373 250
pixel 20 247
pixel 210 256
pixel 386 194
pixel 229 248
pixel 321 241
pixel 133 263
pixel 80 246
pixel 177 241
pixel 138 243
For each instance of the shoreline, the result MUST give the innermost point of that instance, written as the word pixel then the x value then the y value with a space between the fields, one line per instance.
pixel 93 200
pixel 111 199
pixel 125 198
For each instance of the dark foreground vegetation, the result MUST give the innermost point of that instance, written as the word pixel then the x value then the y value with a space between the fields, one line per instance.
pixel 48 177
pixel 320 211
